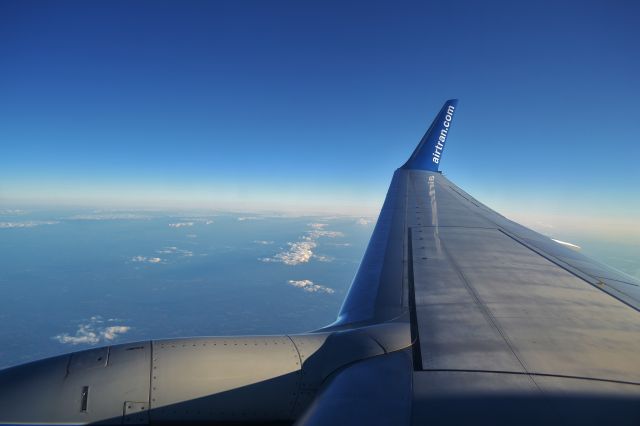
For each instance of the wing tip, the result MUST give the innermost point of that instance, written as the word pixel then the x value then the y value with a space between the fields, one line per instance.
pixel 428 153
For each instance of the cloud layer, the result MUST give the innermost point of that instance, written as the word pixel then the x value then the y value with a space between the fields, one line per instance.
pixel 93 332
pixel 309 286
pixel 12 212
pixel 190 221
pixel 243 218
pixel 302 251
pixel 181 224
pixel 144 259
pixel 175 250
pixel 363 221
pixel 27 224
pixel 169 253
pixel 298 252
pixel 109 216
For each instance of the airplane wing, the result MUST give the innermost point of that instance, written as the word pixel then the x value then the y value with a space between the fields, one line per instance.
pixel 456 315
pixel 503 319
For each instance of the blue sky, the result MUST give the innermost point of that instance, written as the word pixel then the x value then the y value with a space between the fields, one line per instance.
pixel 312 105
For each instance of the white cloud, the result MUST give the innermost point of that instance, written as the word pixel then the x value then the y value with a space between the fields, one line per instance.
pixel 321 258
pixel 193 220
pixel 12 212
pixel 180 224
pixel 302 251
pixel 170 252
pixel 299 252
pixel 315 234
pixel 144 259
pixel 263 242
pixel 109 216
pixel 83 335
pixel 243 218
pixel 175 250
pixel 27 224
pixel 92 333
pixel 309 286
pixel 112 332
pixel 363 221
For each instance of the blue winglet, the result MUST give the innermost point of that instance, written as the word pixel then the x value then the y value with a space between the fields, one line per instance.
pixel 428 153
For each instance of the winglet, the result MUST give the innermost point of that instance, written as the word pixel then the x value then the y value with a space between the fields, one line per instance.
pixel 428 153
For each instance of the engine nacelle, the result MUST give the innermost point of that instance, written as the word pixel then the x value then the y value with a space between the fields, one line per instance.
pixel 203 379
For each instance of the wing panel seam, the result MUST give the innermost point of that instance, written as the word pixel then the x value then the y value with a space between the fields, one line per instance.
pixel 485 311
pixel 570 269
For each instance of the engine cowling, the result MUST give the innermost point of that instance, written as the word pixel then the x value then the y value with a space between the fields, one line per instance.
pixel 203 379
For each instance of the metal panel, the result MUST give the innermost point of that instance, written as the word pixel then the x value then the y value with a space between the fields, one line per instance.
pixel 458 336
pixel 238 378
pixel 594 271
pixel 79 388
pixel 371 392
pixel 465 397
pixel 92 358
pixel 322 354
pixel 136 413
pixel 429 205
pixel 516 311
